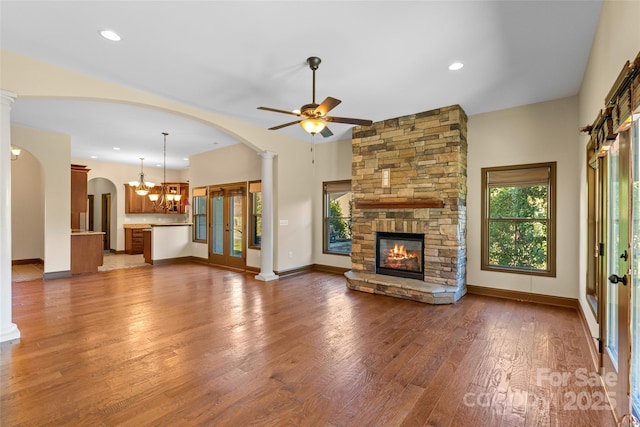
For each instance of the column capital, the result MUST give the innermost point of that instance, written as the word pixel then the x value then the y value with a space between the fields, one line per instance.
pixel 7 97
pixel 267 154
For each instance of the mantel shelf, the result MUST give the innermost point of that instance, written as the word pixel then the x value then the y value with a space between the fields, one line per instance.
pixel 413 204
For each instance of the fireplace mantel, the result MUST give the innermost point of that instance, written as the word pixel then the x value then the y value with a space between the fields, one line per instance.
pixel 413 204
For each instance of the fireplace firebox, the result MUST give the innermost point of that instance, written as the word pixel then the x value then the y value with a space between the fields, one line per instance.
pixel 400 254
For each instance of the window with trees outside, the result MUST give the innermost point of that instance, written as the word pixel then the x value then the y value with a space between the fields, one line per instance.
pixel 337 208
pixel 255 216
pixel 200 214
pixel 518 224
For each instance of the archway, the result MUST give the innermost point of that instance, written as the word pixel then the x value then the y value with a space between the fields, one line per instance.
pixel 103 209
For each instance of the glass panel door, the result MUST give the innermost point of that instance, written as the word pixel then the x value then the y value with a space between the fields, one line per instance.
pixel 613 238
pixel 217 227
pixel 227 229
pixel 615 358
pixel 635 264
pixel 236 206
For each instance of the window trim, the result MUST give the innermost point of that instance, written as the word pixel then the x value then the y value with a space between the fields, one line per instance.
pixel 551 218
pixel 199 192
pixel 325 218
pixel 254 187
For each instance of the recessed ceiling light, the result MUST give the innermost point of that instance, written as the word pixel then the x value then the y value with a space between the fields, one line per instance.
pixel 94 157
pixel 456 66
pixel 110 35
pixel 185 159
pixel 116 148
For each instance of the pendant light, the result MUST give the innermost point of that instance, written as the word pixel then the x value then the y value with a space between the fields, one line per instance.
pixel 142 187
pixel 165 199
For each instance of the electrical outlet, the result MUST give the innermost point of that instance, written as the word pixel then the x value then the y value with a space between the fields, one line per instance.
pixel 290 254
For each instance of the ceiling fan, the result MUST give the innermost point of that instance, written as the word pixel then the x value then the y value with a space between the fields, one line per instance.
pixel 313 117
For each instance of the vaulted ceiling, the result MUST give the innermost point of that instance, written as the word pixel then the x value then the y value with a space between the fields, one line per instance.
pixel 383 59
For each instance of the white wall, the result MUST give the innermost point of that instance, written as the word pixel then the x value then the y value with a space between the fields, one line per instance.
pixel 27 208
pixel 617 40
pixel 332 163
pixel 53 152
pixel 542 132
pixel 237 163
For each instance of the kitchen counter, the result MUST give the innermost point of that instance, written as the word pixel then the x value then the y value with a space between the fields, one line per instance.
pixel 136 226
pixel 85 232
pixel 170 224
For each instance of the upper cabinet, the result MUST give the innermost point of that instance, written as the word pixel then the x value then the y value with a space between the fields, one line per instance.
pixel 79 175
pixel 135 204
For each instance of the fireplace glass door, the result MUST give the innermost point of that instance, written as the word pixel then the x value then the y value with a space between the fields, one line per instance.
pixel 400 254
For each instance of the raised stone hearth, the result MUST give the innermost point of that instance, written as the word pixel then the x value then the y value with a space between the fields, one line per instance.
pixel 417 290
pixel 409 175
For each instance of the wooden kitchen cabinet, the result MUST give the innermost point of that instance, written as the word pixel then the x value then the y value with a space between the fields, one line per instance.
pixel 181 188
pixel 133 240
pixel 133 203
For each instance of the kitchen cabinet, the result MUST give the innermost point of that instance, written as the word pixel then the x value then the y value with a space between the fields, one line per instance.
pixel 133 240
pixel 134 204
pixel 178 188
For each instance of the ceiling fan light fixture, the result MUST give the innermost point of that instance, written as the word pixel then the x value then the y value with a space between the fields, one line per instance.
pixel 313 125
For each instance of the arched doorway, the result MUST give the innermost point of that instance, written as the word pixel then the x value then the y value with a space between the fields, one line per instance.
pixel 102 215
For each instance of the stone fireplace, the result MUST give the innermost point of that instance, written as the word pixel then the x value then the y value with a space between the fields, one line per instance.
pixel 409 176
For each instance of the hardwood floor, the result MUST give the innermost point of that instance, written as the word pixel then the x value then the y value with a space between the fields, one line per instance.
pixel 191 345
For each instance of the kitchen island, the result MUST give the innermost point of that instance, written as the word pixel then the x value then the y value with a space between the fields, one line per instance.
pixel 165 243
pixel 86 251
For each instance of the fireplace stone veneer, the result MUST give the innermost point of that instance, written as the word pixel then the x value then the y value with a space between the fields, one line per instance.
pixel 409 175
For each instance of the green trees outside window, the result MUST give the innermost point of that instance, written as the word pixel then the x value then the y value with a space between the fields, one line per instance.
pixel 255 214
pixel 518 219
pixel 337 207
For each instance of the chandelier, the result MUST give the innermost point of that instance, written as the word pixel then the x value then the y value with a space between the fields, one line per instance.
pixel 165 199
pixel 142 187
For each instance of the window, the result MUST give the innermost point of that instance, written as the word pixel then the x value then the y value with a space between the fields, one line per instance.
pixel 255 214
pixel 518 224
pixel 337 208
pixel 200 214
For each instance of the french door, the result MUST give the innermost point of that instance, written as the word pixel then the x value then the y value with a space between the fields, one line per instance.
pixel 227 225
pixel 616 316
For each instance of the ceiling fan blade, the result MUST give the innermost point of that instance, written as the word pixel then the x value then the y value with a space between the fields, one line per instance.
pixel 326 132
pixel 275 110
pixel 347 120
pixel 284 125
pixel 327 105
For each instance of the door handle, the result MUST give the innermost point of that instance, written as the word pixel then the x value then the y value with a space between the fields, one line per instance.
pixel 614 278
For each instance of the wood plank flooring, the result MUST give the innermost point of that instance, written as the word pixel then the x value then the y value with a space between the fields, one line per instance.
pixel 189 345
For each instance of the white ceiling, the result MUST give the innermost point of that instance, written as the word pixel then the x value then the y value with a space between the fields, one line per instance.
pixel 383 59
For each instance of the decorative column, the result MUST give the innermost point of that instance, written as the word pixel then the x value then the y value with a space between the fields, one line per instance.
pixel 266 241
pixel 8 331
